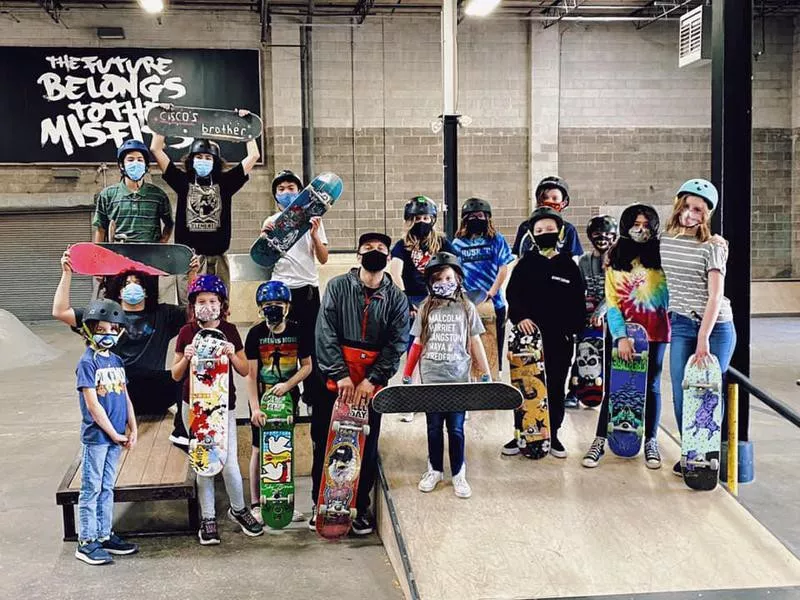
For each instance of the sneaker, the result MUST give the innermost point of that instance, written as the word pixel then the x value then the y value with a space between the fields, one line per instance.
pixel 571 401
pixel 208 532
pixel 676 469
pixel 312 522
pixel 407 418
pixel 93 553
pixel 651 456
pixel 116 545
pixel 297 516
pixel 430 480
pixel 466 415
pixel 363 524
pixel 592 457
pixel 246 521
pixel 460 485
pixel 255 510
pixel 557 448
pixel 179 440
pixel 510 449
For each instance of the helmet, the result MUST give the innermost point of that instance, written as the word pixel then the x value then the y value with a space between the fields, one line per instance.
pixel 628 217
pixel 131 146
pixel 207 283
pixel 273 291
pixel 553 182
pixel 602 224
pixel 286 175
pixel 703 188
pixel 474 205
pixel 545 212
pixel 419 205
pixel 203 146
pixel 105 310
pixel 443 259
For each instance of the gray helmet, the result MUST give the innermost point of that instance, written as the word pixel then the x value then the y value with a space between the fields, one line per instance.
pixel 105 310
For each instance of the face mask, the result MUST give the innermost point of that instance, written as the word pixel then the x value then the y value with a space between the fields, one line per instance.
pixel 639 234
pixel 546 241
pixel 374 261
pixel 203 166
pixel 132 294
pixel 284 199
pixel 602 241
pixel 135 170
pixel 206 313
pixel 687 220
pixel 556 206
pixel 105 340
pixel 444 289
pixel 273 313
pixel 477 226
pixel 421 230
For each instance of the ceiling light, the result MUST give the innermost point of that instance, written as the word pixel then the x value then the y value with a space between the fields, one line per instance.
pixel 480 8
pixel 152 6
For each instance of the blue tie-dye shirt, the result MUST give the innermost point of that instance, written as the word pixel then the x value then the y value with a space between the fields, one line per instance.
pixel 481 259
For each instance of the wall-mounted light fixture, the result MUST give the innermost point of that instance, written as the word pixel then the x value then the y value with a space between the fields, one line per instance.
pixel 110 33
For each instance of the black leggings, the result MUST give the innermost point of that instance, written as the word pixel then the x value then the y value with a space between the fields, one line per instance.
pixel 153 392
pixel 304 311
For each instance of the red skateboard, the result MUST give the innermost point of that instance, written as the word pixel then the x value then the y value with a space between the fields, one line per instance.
pixel 87 258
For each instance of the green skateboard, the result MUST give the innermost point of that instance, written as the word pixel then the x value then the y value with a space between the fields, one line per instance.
pixel 277 466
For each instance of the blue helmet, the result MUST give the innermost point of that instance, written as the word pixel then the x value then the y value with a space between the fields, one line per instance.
pixel 702 188
pixel 131 146
pixel 273 291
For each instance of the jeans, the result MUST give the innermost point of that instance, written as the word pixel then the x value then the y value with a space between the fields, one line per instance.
pixel 209 265
pixel 231 474
pixel 96 498
pixel 455 440
pixel 721 343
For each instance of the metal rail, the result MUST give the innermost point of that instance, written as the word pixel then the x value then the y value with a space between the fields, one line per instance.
pixel 779 407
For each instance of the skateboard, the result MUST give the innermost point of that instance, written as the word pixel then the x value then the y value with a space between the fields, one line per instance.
pixel 171 259
pixel 588 381
pixel 489 338
pixel 341 470
pixel 277 465
pixel 208 403
pixel 532 419
pixel 210 123
pixel 627 389
pixel 88 258
pixel 702 422
pixel 446 397
pixel 295 220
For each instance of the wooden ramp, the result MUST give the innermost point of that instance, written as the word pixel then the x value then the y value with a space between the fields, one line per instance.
pixel 552 528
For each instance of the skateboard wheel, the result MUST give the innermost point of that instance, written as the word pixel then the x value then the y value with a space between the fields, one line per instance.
pixel 685 384
pixel 365 429
pixel 574 382
pixel 335 426
pixel 290 420
pixel 263 500
pixel 223 360
pixel 714 464
pixel 610 429
pixel 353 513
pixel 716 387
pixel 290 498
pixel 323 508
pixel 598 381
pixel 194 361
pixel 683 462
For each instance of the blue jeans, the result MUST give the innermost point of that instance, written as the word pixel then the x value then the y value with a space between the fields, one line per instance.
pixel 96 498
pixel 721 343
pixel 455 440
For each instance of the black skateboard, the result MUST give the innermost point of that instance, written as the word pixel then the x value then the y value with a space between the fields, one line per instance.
pixel 446 397
pixel 196 122
pixel 173 259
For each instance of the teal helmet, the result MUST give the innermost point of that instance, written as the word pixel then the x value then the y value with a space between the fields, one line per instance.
pixel 702 188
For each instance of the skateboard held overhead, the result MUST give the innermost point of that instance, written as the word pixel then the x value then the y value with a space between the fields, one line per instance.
pixel 627 389
pixel 532 419
pixel 87 258
pixel 210 123
pixel 702 424
pixel 277 460
pixel 173 259
pixel 446 397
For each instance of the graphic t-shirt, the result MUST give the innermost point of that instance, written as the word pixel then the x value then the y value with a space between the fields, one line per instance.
pixel 278 354
pixel 481 259
pixel 203 214
pixel 414 263
pixel 445 357
pixel 106 375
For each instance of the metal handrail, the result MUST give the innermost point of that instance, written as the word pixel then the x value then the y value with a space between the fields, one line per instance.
pixel 779 407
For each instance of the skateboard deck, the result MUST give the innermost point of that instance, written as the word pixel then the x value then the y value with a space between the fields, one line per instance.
pixel 626 396
pixel 532 419
pixel 172 259
pixel 88 258
pixel 295 220
pixel 589 380
pixel 446 397
pixel 277 464
pixel 210 123
pixel 341 470
pixel 702 423
pixel 489 338
pixel 208 403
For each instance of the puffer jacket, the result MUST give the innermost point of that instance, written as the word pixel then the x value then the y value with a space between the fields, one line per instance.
pixel 360 337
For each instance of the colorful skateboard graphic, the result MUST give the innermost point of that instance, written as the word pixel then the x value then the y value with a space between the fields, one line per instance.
pixel 446 397
pixel 210 123
pixel 295 220
pixel 627 394
pixel 88 258
pixel 702 424
pixel 341 470
pixel 277 464
pixel 532 419
pixel 172 259
pixel 589 380
pixel 208 403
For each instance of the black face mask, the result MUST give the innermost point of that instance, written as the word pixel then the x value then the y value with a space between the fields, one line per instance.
pixel 421 230
pixel 273 314
pixel 602 241
pixel 374 261
pixel 546 241
pixel 477 226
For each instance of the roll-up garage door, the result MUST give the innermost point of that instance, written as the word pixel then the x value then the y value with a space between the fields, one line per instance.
pixel 31 245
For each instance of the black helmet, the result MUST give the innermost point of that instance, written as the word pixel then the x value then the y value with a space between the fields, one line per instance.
pixel 419 205
pixel 474 205
pixel 286 175
pixel 105 310
pixel 443 259
pixel 545 212
pixel 553 182
pixel 602 224
pixel 628 218
pixel 203 146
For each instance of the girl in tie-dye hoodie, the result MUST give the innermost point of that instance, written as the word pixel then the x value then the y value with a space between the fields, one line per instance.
pixel 636 292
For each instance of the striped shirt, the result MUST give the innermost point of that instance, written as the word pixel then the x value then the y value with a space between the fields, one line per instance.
pixel 138 215
pixel 687 261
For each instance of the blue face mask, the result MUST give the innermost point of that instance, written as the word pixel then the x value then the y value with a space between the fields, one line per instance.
pixel 284 199
pixel 203 166
pixel 135 170
pixel 132 294
pixel 105 340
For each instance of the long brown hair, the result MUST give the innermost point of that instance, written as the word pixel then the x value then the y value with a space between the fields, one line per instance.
pixel 674 227
pixel 491 232
pixel 432 243
pixel 432 303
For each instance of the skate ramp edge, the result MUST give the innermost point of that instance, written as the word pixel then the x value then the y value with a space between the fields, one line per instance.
pixel 17 341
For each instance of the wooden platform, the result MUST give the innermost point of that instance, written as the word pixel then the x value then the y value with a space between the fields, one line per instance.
pixel 552 528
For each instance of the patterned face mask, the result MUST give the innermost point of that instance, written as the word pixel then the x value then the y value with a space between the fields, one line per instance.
pixel 639 234
pixel 105 340
pixel 206 312
pixel 444 289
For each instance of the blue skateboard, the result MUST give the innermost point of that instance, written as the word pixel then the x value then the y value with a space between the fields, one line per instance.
pixel 626 396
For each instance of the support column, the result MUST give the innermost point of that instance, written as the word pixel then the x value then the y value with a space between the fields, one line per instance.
pixel 449 116
pixel 307 96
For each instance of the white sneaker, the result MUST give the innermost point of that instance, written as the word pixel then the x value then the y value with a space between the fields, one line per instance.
pixel 256 512
pixel 298 516
pixel 430 480
pixel 407 418
pixel 460 485
pixel 179 440
pixel 466 415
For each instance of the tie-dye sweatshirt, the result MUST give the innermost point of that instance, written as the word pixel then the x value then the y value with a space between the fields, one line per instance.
pixel 638 296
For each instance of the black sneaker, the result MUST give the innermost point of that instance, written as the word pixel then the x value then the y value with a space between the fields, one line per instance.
pixel 246 521
pixel 676 469
pixel 363 524
pixel 592 457
pixel 511 448
pixel 557 448
pixel 208 532
pixel 312 522
pixel 571 401
pixel 652 456
pixel 116 545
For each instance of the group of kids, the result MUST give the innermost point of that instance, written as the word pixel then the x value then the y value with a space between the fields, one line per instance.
pixel 417 296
